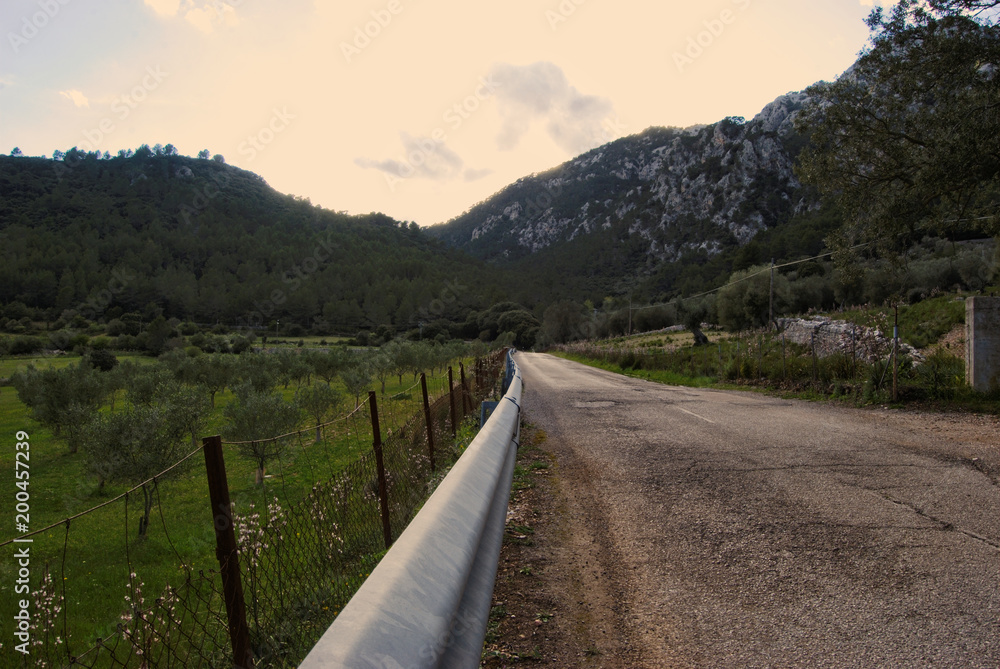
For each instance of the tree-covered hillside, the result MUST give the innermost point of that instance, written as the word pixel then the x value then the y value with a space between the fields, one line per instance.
pixel 207 242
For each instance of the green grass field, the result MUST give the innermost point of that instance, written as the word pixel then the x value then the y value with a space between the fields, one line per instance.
pixel 10 365
pixel 93 557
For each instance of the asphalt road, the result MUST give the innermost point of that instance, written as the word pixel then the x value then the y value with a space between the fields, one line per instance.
pixel 738 530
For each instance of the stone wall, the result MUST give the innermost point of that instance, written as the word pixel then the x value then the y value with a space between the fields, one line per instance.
pixel 830 336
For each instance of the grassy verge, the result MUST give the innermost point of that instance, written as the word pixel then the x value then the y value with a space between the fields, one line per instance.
pixel 663 376
pixel 866 385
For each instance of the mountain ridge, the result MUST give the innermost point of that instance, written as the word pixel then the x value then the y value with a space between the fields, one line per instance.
pixel 205 241
pixel 680 194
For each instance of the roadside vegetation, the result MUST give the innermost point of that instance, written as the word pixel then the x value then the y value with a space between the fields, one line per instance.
pixel 101 424
pixel 855 366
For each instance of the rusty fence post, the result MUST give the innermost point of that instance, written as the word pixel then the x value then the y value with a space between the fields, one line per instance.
pixel 383 488
pixel 427 419
pixel 466 397
pixel 451 401
pixel 225 551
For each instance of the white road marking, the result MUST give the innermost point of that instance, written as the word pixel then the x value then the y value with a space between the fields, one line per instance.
pixel 691 413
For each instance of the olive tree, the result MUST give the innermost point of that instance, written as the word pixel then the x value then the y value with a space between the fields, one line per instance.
pixel 256 419
pixel 357 377
pixel 319 401
pixel 135 444
pixel 62 399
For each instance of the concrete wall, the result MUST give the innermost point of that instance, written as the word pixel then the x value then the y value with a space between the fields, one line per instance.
pixel 982 343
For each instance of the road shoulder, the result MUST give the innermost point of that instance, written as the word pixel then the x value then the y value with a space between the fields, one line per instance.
pixel 556 601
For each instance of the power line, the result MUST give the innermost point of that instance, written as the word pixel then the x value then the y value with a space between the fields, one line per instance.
pixel 749 276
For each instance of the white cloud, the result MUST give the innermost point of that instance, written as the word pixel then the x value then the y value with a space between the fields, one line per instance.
pixel 164 7
pixel 471 174
pixel 423 158
pixel 201 14
pixel 206 17
pixel 575 122
pixel 78 98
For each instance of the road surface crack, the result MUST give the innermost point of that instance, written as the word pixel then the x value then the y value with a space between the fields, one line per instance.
pixel 944 525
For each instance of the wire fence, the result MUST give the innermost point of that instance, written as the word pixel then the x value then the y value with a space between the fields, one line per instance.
pixel 302 549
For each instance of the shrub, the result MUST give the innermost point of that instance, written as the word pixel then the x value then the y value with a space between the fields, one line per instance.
pixel 942 373
pixel 26 345
pixel 240 344
pixel 102 359
pixel 629 360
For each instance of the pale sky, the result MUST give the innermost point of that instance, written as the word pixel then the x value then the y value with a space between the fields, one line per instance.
pixel 415 108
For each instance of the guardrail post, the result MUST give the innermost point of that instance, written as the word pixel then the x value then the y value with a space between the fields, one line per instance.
pixel 383 488
pixel 427 419
pixel 225 551
pixel 451 401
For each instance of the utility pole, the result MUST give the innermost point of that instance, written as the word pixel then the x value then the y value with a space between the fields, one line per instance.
pixel 630 315
pixel 770 315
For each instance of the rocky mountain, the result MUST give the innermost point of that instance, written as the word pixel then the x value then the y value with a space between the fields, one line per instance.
pixel 666 195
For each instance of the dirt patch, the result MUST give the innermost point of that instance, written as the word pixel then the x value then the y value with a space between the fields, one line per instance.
pixel 966 438
pixel 554 602
pixel 953 342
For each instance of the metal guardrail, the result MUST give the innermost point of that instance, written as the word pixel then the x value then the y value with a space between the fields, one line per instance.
pixel 427 602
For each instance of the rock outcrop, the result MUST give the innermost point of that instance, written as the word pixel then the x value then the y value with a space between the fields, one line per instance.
pixel 668 191
pixel 830 337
